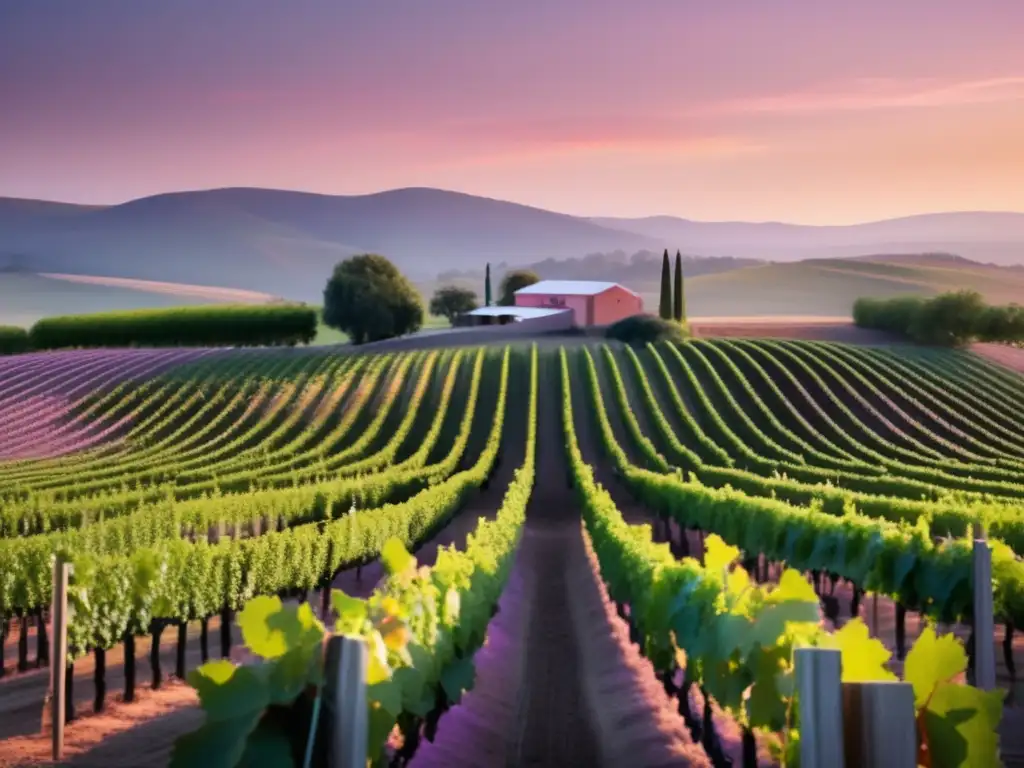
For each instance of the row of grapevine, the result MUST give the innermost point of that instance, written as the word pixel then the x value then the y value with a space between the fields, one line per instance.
pixel 423 626
pixel 900 560
pixel 733 640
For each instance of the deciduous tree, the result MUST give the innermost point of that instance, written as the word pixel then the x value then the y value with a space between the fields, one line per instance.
pixel 369 299
pixel 451 301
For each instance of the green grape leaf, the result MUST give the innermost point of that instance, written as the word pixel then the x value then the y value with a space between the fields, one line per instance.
pixel 793 587
pixel 422 660
pixel 457 677
pixel 931 661
pixel 270 629
pixel 215 743
pixel 395 558
pixel 863 657
pixel 414 689
pixel 229 692
pixel 377 669
pixel 718 555
pixel 388 694
pixel 381 723
pixel 268 746
pixel 773 621
pixel 351 612
pixel 766 707
pixel 291 673
pixel 737 585
pixel 257 634
pixel 962 724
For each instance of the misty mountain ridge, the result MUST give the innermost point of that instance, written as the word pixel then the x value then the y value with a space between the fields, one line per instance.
pixel 286 243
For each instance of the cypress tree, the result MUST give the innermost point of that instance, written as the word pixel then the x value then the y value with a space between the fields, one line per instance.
pixel 679 305
pixel 665 309
pixel 487 286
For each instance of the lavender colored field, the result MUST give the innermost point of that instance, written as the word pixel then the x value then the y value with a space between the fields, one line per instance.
pixel 41 393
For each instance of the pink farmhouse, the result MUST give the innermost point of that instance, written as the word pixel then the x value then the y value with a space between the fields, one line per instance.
pixel 592 303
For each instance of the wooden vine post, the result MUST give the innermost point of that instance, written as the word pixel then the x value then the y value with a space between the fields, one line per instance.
pixel 879 728
pixel 984 621
pixel 345 705
pixel 819 690
pixel 58 658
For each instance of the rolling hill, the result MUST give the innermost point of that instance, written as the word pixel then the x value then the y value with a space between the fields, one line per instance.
pixel 828 287
pixel 27 297
pixel 994 237
pixel 285 242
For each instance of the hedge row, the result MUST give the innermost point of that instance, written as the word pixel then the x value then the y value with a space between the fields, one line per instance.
pixel 950 319
pixel 220 325
pixel 13 340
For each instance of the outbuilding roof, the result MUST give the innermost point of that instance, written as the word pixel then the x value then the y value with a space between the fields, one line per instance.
pixel 571 287
pixel 523 312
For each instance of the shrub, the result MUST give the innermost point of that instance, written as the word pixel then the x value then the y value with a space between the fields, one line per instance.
pixel 1002 324
pixel 13 340
pixel 949 319
pixel 640 329
pixel 894 315
pixel 370 300
pixel 219 325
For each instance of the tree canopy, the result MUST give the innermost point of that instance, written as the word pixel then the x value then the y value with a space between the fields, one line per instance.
pixel 451 301
pixel 512 282
pixel 369 299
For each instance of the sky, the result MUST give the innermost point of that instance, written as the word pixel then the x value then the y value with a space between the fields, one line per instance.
pixel 810 111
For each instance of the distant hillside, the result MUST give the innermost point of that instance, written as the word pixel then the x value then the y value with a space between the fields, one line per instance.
pixel 641 271
pixel 828 287
pixel 985 237
pixel 286 243
pixel 25 298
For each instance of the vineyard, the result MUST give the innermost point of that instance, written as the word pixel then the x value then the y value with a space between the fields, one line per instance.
pixel 614 550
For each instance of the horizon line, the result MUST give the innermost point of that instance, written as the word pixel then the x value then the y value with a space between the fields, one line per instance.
pixel 586 217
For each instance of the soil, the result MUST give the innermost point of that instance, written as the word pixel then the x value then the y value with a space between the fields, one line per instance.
pixel 808 328
pixel 1010 357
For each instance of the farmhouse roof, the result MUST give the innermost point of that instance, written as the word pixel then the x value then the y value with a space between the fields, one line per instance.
pixel 523 312
pixel 571 287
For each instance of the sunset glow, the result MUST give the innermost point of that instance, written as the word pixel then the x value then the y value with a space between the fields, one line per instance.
pixel 800 110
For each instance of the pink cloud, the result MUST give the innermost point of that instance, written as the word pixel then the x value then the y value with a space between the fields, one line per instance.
pixel 883 93
pixel 500 140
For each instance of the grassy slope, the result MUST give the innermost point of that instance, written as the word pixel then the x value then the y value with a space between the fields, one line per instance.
pixel 831 287
pixel 25 298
